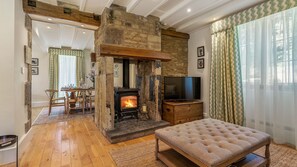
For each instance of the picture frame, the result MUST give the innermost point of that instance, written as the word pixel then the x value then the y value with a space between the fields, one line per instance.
pixel 200 63
pixel 35 62
pixel 200 51
pixel 35 71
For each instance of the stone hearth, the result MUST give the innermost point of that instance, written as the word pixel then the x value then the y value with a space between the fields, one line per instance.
pixel 131 129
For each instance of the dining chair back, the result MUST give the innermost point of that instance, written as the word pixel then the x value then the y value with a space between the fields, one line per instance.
pixel 54 102
pixel 74 97
pixel 90 99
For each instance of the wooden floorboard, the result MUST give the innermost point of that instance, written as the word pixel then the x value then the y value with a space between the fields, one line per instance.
pixel 73 143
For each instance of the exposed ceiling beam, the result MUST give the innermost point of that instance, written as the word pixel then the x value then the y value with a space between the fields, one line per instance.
pixel 201 27
pixel 48 10
pixel 72 36
pixel 132 5
pixel 175 9
pixel 210 7
pixel 156 7
pixel 198 18
pixel 66 34
pixel 90 44
pixel 38 41
pixel 59 29
pixel 188 24
pixel 82 5
pixel 87 41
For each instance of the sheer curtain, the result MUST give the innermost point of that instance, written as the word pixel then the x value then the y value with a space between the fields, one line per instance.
pixel 269 72
pixel 67 72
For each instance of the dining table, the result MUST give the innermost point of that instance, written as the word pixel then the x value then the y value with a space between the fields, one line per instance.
pixel 73 90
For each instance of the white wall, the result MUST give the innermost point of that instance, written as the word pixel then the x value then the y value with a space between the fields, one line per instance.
pixel 21 39
pixel 40 82
pixel 7 67
pixel 13 34
pixel 199 38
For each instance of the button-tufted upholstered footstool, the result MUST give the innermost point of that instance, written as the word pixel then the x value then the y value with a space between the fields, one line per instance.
pixel 211 142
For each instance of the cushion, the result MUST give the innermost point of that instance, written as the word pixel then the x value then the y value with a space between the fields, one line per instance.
pixel 212 142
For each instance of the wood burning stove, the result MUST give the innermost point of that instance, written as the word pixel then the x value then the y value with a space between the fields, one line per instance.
pixel 126 103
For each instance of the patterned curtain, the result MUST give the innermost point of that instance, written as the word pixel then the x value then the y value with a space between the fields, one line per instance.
pixel 226 99
pixel 264 9
pixel 54 65
pixel 53 70
pixel 80 68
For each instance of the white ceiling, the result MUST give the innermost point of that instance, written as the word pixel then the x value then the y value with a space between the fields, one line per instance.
pixel 173 13
pixel 60 35
pixel 184 15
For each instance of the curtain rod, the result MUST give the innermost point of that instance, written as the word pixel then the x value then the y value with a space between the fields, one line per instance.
pixel 222 30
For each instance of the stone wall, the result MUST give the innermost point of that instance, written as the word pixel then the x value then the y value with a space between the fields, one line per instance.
pixel 130 30
pixel 148 82
pixel 178 50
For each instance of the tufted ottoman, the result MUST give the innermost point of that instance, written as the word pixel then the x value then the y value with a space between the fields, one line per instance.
pixel 211 142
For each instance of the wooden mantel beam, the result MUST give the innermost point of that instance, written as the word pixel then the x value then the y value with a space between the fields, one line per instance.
pixel 48 10
pixel 175 34
pixel 132 53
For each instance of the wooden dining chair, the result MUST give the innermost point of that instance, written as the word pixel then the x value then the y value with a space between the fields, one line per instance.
pixel 74 97
pixel 54 102
pixel 90 99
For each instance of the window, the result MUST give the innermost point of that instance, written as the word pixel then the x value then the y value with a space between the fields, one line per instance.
pixel 67 72
pixel 266 49
pixel 269 70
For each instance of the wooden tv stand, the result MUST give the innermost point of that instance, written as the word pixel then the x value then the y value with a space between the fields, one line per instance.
pixel 177 112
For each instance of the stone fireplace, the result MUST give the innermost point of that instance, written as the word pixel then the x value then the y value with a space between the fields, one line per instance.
pixel 116 105
pixel 126 36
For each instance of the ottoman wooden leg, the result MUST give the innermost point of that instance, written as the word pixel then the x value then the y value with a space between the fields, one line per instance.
pixel 267 155
pixel 157 148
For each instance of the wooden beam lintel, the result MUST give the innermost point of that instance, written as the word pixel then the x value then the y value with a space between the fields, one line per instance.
pixel 133 53
pixel 49 10
pixel 175 34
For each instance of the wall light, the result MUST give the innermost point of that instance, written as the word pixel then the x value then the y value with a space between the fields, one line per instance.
pixel 189 10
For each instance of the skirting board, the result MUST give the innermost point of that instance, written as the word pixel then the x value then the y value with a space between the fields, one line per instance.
pixel 7 155
pixel 205 115
pixel 39 103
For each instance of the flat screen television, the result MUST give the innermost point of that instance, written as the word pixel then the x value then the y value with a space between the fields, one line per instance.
pixel 182 88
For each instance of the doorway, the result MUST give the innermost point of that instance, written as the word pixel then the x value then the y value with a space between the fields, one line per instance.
pixel 67 42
